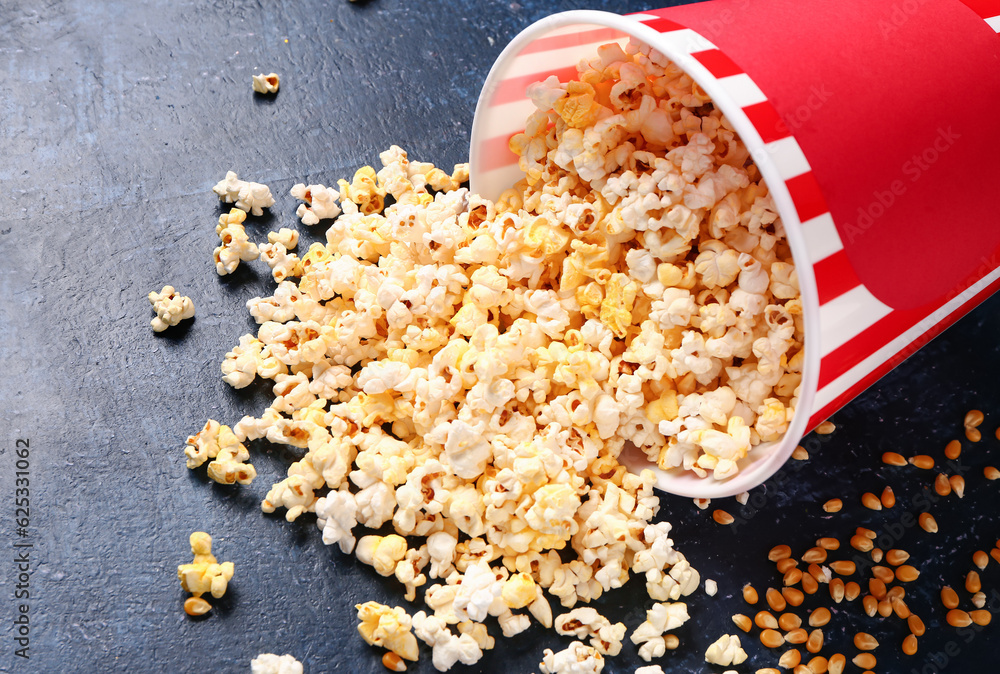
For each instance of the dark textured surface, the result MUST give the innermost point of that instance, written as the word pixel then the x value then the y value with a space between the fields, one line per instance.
pixel 116 123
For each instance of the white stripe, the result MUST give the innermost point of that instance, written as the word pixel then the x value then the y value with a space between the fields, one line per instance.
pixel 541 61
pixel 994 23
pixel 743 89
pixel 503 120
pixel 686 41
pixel 822 239
pixel 844 382
pixel 844 318
pixel 569 30
pixel 788 157
pixel 642 17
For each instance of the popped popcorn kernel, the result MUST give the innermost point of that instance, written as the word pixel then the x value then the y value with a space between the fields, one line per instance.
pixel 387 627
pixel 269 663
pixel 218 442
pixel 320 203
pixel 247 196
pixel 204 574
pixel 266 84
pixel 171 308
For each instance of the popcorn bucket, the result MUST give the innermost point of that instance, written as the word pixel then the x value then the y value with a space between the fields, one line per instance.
pixel 870 123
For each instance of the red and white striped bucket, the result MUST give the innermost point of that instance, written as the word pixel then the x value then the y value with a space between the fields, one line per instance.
pixel 875 126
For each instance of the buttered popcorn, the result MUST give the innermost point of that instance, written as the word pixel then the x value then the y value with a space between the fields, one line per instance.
pixel 171 308
pixel 469 371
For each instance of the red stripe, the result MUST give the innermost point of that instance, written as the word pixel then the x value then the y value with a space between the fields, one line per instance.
pixel 834 277
pixel 663 25
pixel 495 153
pixel 514 88
pixel 766 120
pixel 844 357
pixel 717 63
pixel 572 40
pixel 987 9
pixel 807 196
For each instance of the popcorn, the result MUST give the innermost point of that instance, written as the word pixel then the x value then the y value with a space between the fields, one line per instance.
pixel 577 658
pixel 282 263
pixel 218 442
pixel 171 308
pixel 288 238
pixel 726 651
pixel 336 516
pixel 236 246
pixel 247 196
pixel 447 648
pixel 387 627
pixel 320 203
pixel 471 371
pixel 659 619
pixel 606 638
pixel 266 84
pixel 295 493
pixel 382 552
pixel 269 663
pixel 204 574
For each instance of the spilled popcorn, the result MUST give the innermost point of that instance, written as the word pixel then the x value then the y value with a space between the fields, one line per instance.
pixel 469 371
pixel 203 574
pixel 171 308
pixel 269 663
pixel 266 84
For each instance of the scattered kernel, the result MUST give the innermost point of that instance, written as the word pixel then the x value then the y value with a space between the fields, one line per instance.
pixel 393 662
pixel 972 582
pixel 907 573
pixel 957 483
pixel 910 644
pixel 981 616
pixel 893 459
pixel 815 641
pixel 953 449
pixel 771 638
pixel 958 618
pixel 800 453
pixel 819 617
pixel 779 552
pixel 973 418
pixel 991 473
pixel 798 636
pixel 196 606
pixel 865 642
pixel 916 625
pixel 750 594
pixel 949 597
pixel 928 523
pixel 826 428
pixel 922 461
pixel 765 620
pixel 865 660
pixel 973 434
pixel 888 498
pixel 743 622
pixel 896 557
pixel 871 501
pixel 834 505
pixel 793 596
pixel 722 517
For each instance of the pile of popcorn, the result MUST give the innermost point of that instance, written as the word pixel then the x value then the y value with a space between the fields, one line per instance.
pixel 469 371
